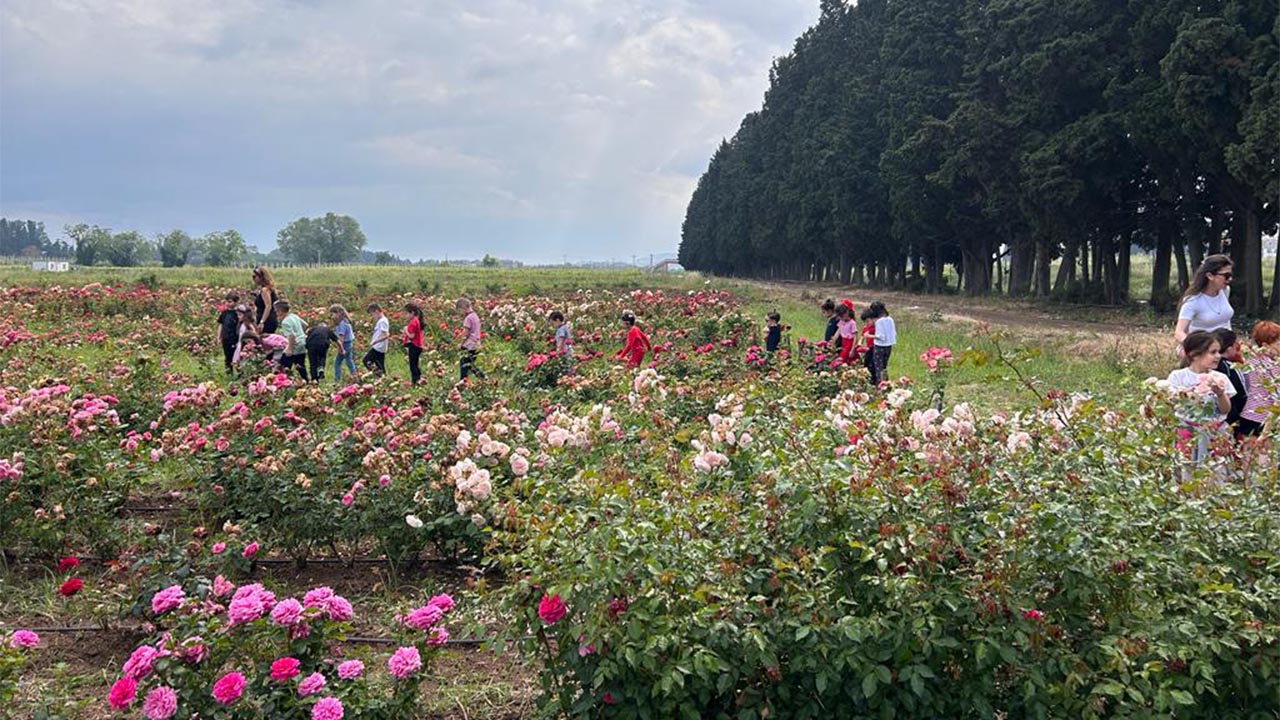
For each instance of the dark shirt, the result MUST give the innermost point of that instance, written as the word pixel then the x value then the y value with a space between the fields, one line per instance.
pixel 833 324
pixel 1240 398
pixel 230 324
pixel 319 336
pixel 772 338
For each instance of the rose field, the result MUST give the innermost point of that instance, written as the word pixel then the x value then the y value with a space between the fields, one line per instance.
pixel 1010 528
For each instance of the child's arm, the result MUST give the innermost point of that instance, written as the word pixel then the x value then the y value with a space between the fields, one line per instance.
pixel 1224 402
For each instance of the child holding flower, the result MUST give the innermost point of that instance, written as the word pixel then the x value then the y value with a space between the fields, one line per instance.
pixel 1208 391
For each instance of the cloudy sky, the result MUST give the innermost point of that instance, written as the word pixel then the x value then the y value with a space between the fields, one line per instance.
pixel 532 129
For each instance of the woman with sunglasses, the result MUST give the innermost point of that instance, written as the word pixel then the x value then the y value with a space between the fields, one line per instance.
pixel 1207 302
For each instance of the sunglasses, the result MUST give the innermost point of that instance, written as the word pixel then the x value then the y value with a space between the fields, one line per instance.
pixel 1226 275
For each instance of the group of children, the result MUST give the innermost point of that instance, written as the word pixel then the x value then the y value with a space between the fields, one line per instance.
pixel 1239 400
pixel 288 344
pixel 872 344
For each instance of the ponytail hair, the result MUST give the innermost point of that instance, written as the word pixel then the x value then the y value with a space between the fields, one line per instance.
pixel 1212 265
pixel 340 312
pixel 415 310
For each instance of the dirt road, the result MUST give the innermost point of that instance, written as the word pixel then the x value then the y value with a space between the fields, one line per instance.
pixel 1012 314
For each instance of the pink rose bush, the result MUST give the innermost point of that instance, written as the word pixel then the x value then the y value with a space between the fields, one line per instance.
pixel 263 656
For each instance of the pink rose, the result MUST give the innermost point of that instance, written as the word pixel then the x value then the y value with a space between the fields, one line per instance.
pixel 250 550
pixel 311 685
pixel 351 669
pixel 284 668
pixel 123 693
pixel 1032 615
pixel 161 703
pixel 327 709
pixel 24 639
pixel 167 599
pixel 551 609
pixel 404 662
pixel 138 666
pixel 444 602
pixel 222 586
pixel 228 688
pixel 437 637
pixel 287 612
pixel 218 548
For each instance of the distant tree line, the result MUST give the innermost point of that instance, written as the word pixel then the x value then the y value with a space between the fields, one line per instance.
pixel 901 138
pixel 331 239
pixel 27 238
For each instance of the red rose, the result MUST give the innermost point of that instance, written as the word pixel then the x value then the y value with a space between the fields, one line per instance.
pixel 67 563
pixel 551 609
pixel 71 587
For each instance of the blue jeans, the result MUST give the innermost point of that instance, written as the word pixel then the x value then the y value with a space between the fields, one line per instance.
pixel 343 358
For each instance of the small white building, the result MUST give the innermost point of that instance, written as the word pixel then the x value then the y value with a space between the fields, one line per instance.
pixel 50 265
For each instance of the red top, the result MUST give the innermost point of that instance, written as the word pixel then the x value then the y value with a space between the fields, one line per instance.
pixel 413 333
pixel 868 331
pixel 636 346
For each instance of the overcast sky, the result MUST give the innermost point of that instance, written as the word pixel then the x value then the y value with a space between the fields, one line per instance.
pixel 530 129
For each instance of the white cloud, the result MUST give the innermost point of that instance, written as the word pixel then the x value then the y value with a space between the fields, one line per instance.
pixel 574 115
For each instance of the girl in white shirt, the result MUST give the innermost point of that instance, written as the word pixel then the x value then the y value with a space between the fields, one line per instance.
pixel 883 340
pixel 1208 391
pixel 1207 302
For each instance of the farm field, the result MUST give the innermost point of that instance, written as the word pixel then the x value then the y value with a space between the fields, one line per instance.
pixel 1008 529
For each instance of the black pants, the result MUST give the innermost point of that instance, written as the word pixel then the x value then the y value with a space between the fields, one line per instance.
pixel 295 361
pixel 317 357
pixel 415 372
pixel 1247 428
pixel 228 352
pixel 467 364
pixel 880 363
pixel 375 361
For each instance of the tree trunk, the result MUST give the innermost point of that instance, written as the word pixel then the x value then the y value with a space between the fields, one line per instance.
pixel 1180 255
pixel 1066 270
pixel 1022 262
pixel 1161 301
pixel 1126 253
pixel 1044 262
pixel 1252 255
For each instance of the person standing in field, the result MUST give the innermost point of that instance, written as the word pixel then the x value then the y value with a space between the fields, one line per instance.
pixel 846 331
pixel 1262 382
pixel 1230 345
pixel 636 343
pixel 264 300
pixel 246 332
pixel 471 337
pixel 564 335
pixel 833 322
pixel 1207 303
pixel 772 331
pixel 883 339
pixel 295 331
pixel 346 341
pixel 375 360
pixel 412 340
pixel 1210 390
pixel 228 326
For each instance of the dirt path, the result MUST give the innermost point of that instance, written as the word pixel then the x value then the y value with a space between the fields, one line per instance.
pixel 1024 317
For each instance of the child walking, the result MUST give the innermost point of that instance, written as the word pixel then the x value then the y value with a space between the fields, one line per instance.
pixel 470 340
pixel 1210 390
pixel 636 344
pixel 564 335
pixel 412 339
pixel 772 331
pixel 846 331
pixel 884 337
pixel 228 330
pixel 375 360
pixel 295 331
pixel 346 342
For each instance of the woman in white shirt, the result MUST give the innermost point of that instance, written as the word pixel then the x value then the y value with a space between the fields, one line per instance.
pixel 1207 302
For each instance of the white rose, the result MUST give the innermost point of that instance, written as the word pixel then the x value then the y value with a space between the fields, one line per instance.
pixel 413 521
